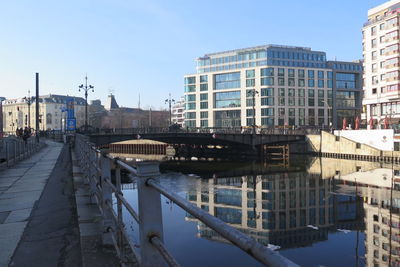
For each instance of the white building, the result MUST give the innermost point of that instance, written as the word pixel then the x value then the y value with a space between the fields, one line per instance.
pixel 381 63
pixel 16 112
pixel 287 85
pixel 178 112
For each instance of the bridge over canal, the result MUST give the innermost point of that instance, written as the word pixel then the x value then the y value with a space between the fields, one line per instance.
pixel 229 140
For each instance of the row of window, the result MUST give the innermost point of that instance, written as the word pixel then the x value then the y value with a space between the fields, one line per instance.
pixel 253 55
pixel 270 112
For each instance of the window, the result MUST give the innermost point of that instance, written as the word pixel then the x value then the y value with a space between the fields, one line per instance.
pixel 203 123
pixel 250 82
pixel 226 100
pixel 345 80
pixel 267 112
pixel 320 83
pixel 190 115
pixel 203 87
pixel 190 98
pixel 311 74
pixel 190 80
pixel 267 72
pixel 373 30
pixel 190 88
pixel 291 92
pixel 300 73
pixel 291 82
pixel 203 78
pixel 311 83
pixel 203 105
pixel 267 91
pixel 267 101
pixel 320 74
pixel 203 114
pixel 250 73
pixel 227 80
pixel 267 81
pixel 281 81
pixel 281 72
pixel 373 43
pixel 281 91
pixel 291 72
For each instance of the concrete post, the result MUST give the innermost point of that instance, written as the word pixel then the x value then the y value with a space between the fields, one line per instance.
pixel 7 153
pixel 150 214
pixel 94 176
pixel 106 203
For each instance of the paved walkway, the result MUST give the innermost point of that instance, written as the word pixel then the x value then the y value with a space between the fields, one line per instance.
pixel 25 208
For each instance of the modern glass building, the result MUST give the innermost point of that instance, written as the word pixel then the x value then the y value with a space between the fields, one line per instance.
pixel 273 84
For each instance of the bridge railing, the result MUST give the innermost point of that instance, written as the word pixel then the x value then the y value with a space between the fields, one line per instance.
pixel 96 168
pixel 14 149
pixel 214 130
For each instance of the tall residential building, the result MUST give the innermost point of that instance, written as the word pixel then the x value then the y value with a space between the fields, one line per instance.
pixel 18 114
pixel 381 63
pixel 178 112
pixel 284 85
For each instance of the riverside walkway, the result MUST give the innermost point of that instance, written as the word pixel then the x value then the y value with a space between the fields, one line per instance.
pixel 39 225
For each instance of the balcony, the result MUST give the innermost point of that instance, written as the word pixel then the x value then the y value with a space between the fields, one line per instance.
pixel 391 79
pixel 391 39
pixel 390 66
pixel 393 52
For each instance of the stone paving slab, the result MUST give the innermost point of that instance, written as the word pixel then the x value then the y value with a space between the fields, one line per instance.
pixel 10 235
pixel 18 216
pixel 21 186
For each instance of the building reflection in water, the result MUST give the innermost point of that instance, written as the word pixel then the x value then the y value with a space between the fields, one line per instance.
pixel 295 209
pixel 379 189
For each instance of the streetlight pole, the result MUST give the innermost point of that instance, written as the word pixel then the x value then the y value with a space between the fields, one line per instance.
pixel 29 101
pixel 170 101
pixel 253 94
pixel 86 88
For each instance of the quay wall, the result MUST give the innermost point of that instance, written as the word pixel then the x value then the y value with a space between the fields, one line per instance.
pixel 329 145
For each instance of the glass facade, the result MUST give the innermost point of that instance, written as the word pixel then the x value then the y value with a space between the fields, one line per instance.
pixel 228 118
pixel 271 70
pixel 346 80
pixel 227 99
pixel 227 80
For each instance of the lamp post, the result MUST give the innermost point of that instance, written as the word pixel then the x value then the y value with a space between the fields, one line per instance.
pixel 29 102
pixel 253 94
pixel 86 88
pixel 170 101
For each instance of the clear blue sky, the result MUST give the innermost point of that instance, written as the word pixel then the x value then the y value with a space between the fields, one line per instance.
pixel 147 46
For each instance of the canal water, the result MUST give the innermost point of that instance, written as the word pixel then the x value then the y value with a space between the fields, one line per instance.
pixel 314 211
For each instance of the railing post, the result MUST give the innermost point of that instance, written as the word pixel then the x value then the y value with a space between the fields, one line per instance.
pixel 150 214
pixel 7 153
pixel 106 202
pixel 15 152
pixel 120 227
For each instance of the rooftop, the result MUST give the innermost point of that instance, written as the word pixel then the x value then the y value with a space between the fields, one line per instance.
pixel 259 48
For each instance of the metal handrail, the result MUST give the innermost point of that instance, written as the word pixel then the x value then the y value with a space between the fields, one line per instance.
pixel 16 149
pixel 244 242
pixel 153 250
pixel 278 130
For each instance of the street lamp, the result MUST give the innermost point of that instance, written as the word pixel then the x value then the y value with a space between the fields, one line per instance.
pixel 28 100
pixel 170 101
pixel 253 94
pixel 86 88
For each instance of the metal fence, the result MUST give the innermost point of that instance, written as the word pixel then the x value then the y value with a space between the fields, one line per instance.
pixel 96 168
pixel 13 149
pixel 213 130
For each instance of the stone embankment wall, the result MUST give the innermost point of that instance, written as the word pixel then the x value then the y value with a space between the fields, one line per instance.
pixel 329 145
